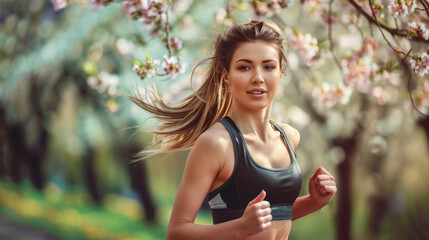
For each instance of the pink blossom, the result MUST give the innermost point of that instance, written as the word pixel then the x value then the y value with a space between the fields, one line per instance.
pixel 379 93
pixel 298 117
pixel 59 4
pixel 268 8
pixel 157 10
pixel 416 29
pixel 221 17
pixel 375 6
pixel 358 73
pixel 420 64
pixel 132 9
pixel 146 69
pixel 261 9
pixel 104 83
pixel 99 3
pixel 172 66
pixel 359 69
pixel 305 45
pixel 332 94
pixel 292 61
pixel 329 19
pixel 314 8
pixel 146 11
pixel 369 45
pixel 175 43
pixel 401 8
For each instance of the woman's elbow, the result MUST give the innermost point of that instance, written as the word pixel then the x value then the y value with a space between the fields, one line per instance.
pixel 173 232
pixel 170 233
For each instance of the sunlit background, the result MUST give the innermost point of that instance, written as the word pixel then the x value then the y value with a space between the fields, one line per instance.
pixel 69 135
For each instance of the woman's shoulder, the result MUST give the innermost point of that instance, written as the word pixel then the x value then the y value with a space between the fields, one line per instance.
pixel 292 134
pixel 216 138
pixel 210 150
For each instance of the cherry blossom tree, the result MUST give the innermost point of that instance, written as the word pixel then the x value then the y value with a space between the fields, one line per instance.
pixel 362 71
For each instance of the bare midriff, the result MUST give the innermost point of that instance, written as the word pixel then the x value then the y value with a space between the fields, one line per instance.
pixel 279 230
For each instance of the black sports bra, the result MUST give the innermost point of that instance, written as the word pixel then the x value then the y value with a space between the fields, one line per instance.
pixel 248 179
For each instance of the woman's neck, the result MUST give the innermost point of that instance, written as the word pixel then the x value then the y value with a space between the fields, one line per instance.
pixel 252 123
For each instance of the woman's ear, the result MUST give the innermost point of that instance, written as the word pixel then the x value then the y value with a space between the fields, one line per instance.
pixel 225 77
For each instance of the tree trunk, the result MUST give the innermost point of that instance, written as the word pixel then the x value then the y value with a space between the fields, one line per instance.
pixel 37 148
pixel 17 148
pixel 378 202
pixel 90 176
pixel 424 123
pixel 344 193
pixel 140 182
pixel 36 160
pixel 378 205
pixel 2 142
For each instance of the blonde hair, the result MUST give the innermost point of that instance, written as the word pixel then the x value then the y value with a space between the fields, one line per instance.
pixel 183 122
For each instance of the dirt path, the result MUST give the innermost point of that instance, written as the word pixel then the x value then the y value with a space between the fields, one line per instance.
pixel 10 230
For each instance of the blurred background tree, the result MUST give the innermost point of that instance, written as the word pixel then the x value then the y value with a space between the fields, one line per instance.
pixel 357 88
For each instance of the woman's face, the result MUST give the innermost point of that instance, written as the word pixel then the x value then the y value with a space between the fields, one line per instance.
pixel 254 74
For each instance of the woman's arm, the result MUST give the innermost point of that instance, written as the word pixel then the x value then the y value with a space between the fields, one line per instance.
pixel 321 185
pixel 322 189
pixel 202 166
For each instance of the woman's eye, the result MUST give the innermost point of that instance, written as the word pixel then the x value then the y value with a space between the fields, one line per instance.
pixel 269 67
pixel 243 68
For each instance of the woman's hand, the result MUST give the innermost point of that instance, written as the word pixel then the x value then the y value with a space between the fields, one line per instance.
pixel 322 187
pixel 257 215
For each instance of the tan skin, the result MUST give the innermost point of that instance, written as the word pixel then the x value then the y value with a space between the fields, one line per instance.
pixel 253 78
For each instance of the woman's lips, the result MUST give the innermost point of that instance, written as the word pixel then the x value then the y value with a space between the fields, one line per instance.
pixel 256 93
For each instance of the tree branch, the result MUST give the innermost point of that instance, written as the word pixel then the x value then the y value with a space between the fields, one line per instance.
pixel 381 31
pixel 167 31
pixel 388 28
pixel 228 8
pixel 426 6
pixel 411 97
pixel 405 65
pixel 331 42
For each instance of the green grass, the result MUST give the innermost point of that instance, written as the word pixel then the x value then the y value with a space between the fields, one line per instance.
pixel 70 215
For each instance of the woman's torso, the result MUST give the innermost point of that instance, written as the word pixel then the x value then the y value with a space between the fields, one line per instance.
pixel 272 154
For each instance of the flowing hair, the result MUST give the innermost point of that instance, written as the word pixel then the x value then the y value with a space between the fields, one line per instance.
pixel 184 121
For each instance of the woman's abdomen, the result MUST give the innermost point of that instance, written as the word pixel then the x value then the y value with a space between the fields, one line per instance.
pixel 279 230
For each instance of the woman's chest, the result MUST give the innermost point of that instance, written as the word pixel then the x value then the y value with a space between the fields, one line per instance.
pixel 273 154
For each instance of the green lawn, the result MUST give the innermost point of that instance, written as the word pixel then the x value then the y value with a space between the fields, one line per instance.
pixel 70 216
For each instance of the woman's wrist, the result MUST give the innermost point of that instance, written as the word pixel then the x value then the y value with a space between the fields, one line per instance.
pixel 241 229
pixel 311 203
pixel 315 203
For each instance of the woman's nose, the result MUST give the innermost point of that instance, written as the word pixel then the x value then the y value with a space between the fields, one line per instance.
pixel 257 77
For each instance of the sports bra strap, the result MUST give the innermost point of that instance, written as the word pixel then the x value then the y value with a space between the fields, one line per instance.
pixel 282 131
pixel 235 137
